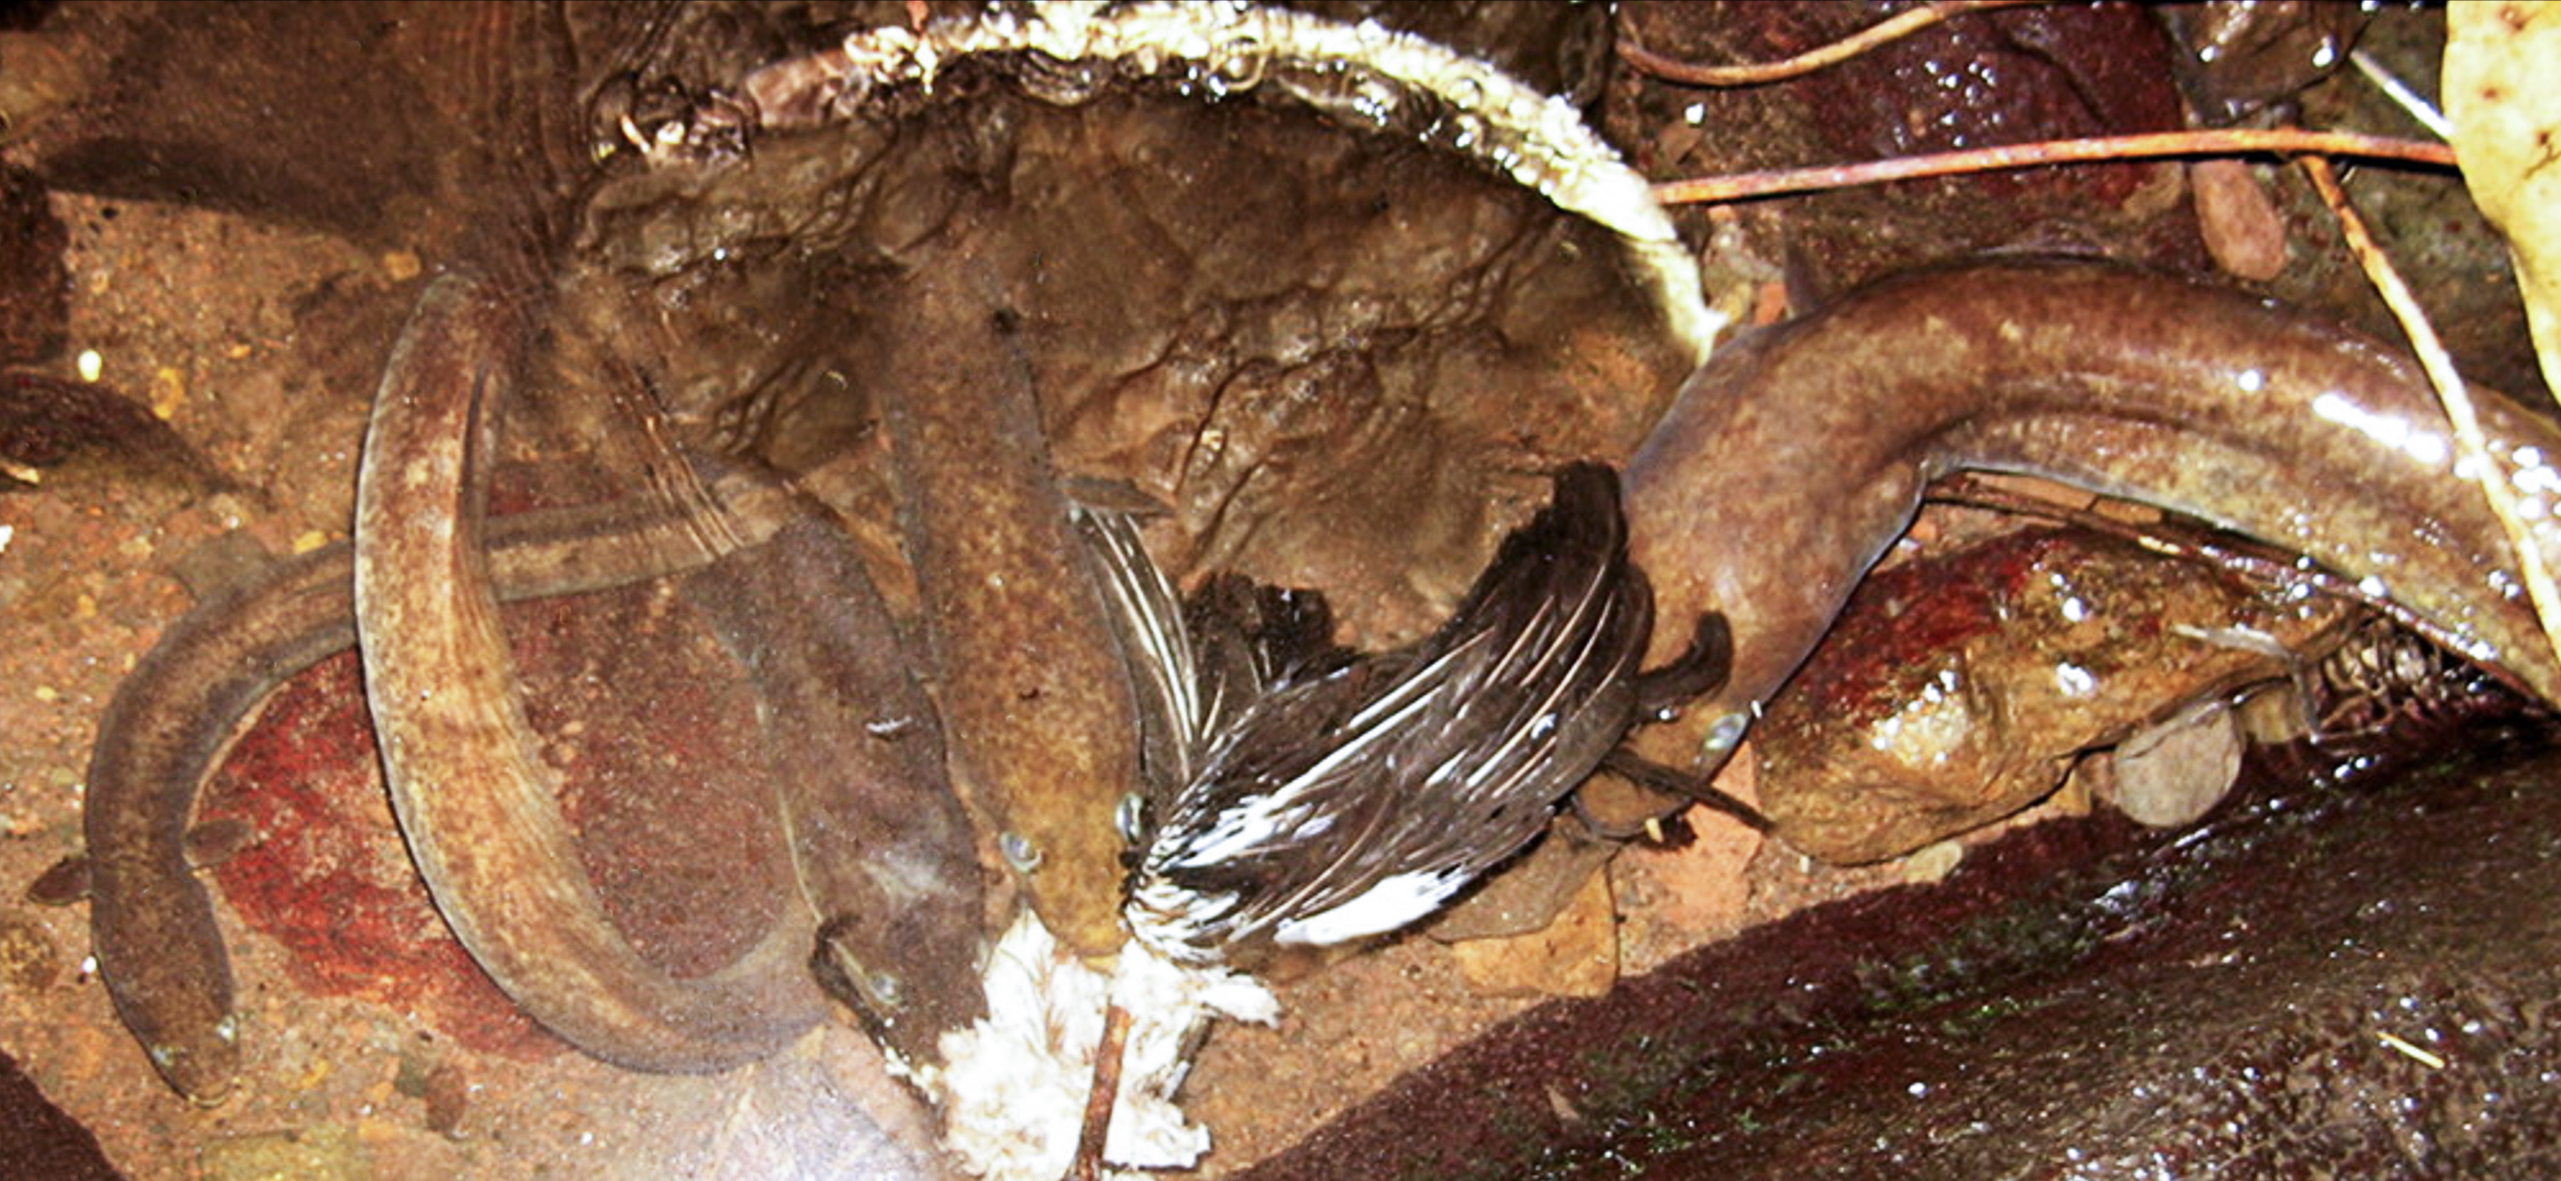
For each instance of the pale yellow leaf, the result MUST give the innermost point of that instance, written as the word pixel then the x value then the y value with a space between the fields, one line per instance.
pixel 2502 93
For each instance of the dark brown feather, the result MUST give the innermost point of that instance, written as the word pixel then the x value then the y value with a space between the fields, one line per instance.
pixel 1348 800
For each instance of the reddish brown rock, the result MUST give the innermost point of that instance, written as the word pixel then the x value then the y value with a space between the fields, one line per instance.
pixel 1956 690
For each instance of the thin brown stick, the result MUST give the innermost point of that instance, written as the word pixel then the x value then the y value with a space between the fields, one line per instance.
pixel 2470 443
pixel 2218 142
pixel 1096 1132
pixel 1901 24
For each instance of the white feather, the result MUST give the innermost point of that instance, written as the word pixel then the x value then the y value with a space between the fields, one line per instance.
pixel 1013 1087
pixel 1392 903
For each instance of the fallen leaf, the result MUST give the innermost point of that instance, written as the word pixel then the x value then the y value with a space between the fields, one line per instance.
pixel 2505 104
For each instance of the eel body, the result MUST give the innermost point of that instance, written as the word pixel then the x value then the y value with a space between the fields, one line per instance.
pixel 159 949
pixel 151 922
pixel 881 850
pixel 1038 704
pixel 883 854
pixel 1792 460
pixel 887 861
pixel 475 802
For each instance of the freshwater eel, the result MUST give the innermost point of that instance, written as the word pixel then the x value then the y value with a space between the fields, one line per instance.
pixel 1036 701
pixel 474 800
pixel 152 923
pixel 890 870
pixel 1791 460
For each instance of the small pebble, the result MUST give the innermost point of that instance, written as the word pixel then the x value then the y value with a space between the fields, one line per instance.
pixel 168 392
pixel 2173 773
pixel 1933 862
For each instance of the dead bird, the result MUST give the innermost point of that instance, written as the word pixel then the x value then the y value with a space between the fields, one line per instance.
pixel 1351 798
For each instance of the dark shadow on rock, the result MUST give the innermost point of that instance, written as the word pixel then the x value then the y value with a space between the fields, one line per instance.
pixel 37 1139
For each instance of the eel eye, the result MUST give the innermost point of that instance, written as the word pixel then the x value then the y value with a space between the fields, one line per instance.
pixel 1725 733
pixel 876 996
pixel 1019 852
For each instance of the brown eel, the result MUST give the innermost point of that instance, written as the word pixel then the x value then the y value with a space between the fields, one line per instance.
pixel 1044 728
pixel 152 922
pixel 886 865
pixel 475 802
pixel 1794 458
pixel 885 854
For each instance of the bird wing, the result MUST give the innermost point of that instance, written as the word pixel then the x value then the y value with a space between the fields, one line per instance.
pixel 1357 802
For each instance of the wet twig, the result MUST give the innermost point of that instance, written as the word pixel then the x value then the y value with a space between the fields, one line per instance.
pixel 1901 24
pixel 2220 142
pixel 1096 1131
pixel 2237 557
pixel 2471 446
